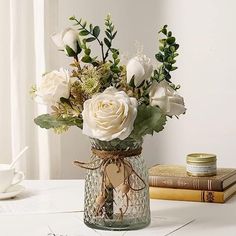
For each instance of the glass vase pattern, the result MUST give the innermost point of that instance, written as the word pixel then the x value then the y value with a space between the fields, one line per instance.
pixel 119 212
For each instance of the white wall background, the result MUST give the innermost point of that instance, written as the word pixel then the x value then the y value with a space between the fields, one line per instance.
pixel 206 32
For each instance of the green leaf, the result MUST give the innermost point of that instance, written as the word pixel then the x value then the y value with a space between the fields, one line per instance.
pixel 72 18
pixel 131 83
pixel 161 77
pixel 70 51
pixel 91 39
pixel 87 51
pixel 172 48
pixel 96 31
pixel 79 49
pixel 174 68
pixel 48 121
pixel 161 48
pixel 117 61
pixel 114 35
pixel 149 119
pixel 159 57
pixel 162 41
pixel 108 35
pixel 83 32
pixel 91 28
pixel 84 24
pixel 164 31
pixel 86 59
pixel 169 59
pixel 107 42
pixel 176 54
pixel 168 66
pixel 114 50
pixel 169 34
pixel 155 72
pixel 114 55
pixel 115 69
pixel 167 51
pixel 176 46
pixel 170 40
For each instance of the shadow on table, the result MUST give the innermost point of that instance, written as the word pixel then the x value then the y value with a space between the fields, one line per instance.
pixel 23 195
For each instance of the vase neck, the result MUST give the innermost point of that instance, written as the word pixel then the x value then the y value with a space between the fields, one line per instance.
pixel 116 144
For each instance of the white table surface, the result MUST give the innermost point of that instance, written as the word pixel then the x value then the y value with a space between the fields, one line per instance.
pixel 56 206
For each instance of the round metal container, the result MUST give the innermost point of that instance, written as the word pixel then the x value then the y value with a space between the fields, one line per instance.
pixel 201 164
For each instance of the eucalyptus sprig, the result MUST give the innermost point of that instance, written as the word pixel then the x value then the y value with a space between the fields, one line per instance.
pixel 110 34
pixel 166 56
pixel 91 33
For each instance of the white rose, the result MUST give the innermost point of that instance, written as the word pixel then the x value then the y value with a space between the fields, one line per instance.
pixel 109 115
pixel 68 37
pixel 140 67
pixel 53 86
pixel 164 96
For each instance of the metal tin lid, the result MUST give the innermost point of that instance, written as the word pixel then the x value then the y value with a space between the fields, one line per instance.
pixel 201 157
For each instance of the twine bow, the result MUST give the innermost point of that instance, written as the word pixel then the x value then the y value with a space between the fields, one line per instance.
pixel 117 157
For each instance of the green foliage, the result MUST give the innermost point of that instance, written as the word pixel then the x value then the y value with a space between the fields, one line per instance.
pixel 87 59
pixel 48 121
pixel 96 31
pixel 166 56
pixel 91 39
pixel 70 51
pixel 148 120
pixel 107 72
pixel 110 35
pixel 91 33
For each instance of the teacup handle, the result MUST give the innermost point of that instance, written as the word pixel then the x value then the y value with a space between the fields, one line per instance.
pixel 18 177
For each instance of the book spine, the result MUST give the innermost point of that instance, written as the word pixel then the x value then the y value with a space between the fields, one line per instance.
pixel 186 195
pixel 185 183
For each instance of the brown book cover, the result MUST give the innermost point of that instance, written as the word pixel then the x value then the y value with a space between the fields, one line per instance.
pixel 174 176
pixel 191 195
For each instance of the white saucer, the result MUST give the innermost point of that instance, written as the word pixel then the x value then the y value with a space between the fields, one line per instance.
pixel 12 192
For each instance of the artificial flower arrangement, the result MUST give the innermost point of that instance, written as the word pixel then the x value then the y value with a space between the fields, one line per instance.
pixel 115 105
pixel 104 98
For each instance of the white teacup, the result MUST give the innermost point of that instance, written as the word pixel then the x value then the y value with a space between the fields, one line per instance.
pixel 9 177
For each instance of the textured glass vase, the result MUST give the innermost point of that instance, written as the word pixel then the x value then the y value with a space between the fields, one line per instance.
pixel 120 211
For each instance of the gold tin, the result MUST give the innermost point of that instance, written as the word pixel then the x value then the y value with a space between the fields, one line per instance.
pixel 201 164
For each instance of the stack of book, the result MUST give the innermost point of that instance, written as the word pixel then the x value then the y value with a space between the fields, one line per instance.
pixel 171 182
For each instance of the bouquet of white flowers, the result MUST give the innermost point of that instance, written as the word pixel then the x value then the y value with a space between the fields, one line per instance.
pixel 115 105
pixel 104 98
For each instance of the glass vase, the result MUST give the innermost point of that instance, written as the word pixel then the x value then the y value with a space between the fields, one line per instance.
pixel 115 202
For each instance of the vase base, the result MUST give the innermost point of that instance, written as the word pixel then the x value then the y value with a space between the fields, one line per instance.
pixel 118 226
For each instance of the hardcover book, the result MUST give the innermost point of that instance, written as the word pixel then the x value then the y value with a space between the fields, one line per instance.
pixel 174 176
pixel 191 195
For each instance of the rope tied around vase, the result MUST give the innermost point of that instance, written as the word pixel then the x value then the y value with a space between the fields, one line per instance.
pixel 116 171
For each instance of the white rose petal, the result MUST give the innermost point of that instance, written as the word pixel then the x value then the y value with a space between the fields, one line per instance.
pixel 109 115
pixel 53 86
pixel 140 67
pixel 164 96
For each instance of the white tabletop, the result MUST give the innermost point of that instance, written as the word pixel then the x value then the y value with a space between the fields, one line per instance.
pixel 56 206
